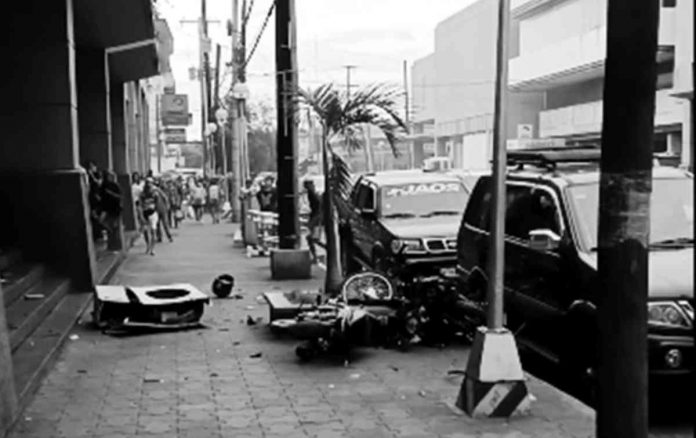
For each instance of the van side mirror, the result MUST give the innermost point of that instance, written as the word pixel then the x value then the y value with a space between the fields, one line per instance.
pixel 544 240
pixel 368 212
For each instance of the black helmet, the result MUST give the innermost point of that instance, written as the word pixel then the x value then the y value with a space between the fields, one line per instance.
pixel 222 285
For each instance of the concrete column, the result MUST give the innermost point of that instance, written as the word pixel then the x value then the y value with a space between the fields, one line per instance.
pixel 40 149
pixel 8 398
pixel 131 137
pixel 120 162
pixel 93 107
pixel 121 153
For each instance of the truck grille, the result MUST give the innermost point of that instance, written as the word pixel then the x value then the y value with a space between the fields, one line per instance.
pixel 440 245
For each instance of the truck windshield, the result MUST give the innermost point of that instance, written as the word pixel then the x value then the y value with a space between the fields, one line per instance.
pixel 423 199
pixel 671 207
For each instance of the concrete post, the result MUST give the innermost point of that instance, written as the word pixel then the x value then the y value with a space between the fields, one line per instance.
pixel 8 397
pixel 93 107
pixel 121 155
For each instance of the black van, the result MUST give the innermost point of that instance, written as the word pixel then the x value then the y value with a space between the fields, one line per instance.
pixel 551 258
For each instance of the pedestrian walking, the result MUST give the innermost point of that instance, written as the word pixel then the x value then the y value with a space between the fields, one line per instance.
pixel 111 200
pixel 150 218
pixel 315 218
pixel 214 196
pixel 198 200
pixel 163 208
pixel 268 196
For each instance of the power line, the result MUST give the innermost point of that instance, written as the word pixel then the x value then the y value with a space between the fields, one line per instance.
pixel 258 36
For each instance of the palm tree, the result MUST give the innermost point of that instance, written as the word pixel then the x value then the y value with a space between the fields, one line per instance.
pixel 342 116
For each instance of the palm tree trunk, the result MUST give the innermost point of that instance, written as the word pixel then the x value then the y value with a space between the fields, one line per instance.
pixel 334 273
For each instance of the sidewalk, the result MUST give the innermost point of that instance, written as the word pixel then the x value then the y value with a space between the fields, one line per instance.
pixel 204 383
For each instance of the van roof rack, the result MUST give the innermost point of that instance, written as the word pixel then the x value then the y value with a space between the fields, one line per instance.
pixel 549 158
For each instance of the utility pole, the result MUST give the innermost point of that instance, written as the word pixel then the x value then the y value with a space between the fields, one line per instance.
pixel 202 23
pixel 214 104
pixel 497 240
pixel 494 344
pixel 407 114
pixel 235 115
pixel 286 85
pixel 624 218
pixel 203 40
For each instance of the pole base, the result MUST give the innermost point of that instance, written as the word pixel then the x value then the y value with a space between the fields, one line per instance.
pixel 291 264
pixel 494 385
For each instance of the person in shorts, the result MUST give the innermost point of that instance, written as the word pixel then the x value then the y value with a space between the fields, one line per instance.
pixel 148 205
pixel 315 218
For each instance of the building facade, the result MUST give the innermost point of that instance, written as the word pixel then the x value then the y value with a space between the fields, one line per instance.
pixel 453 91
pixel 562 49
pixel 73 94
pixel 556 67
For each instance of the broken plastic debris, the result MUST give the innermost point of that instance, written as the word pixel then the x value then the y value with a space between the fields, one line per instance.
pixel 422 393
pixel 74 337
pixel 331 386
pixel 355 376
pixel 532 398
pixel 153 380
pixel 249 307
pixel 28 418
pixel 256 355
pixel 34 296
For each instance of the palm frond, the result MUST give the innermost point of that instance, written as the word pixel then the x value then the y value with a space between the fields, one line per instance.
pixel 340 177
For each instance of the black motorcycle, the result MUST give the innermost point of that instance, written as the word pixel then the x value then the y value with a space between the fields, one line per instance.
pixel 366 314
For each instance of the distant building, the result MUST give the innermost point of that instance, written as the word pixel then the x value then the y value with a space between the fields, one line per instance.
pixel 453 90
pixel 556 69
pixel 562 50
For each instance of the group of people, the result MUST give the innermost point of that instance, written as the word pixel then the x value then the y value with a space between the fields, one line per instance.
pixel 105 203
pixel 161 204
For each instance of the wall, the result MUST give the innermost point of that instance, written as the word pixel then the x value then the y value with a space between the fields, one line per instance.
pixel 423 78
pixel 465 62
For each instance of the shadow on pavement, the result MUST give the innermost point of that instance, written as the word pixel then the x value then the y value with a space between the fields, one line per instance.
pixel 670 407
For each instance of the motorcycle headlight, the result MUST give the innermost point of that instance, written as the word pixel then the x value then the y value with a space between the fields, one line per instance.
pixel 667 314
pixel 407 246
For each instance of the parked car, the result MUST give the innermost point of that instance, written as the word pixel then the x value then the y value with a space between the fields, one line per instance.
pixel 551 258
pixel 398 221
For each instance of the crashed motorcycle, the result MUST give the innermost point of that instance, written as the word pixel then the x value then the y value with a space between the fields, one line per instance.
pixel 366 313
pixel 445 310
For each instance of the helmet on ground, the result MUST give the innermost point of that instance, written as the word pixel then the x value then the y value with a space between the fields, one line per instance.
pixel 222 285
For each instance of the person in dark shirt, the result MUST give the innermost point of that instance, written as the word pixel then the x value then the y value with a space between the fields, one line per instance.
pixel 268 196
pixel 110 194
pixel 315 218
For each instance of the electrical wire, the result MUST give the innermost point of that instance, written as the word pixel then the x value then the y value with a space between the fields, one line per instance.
pixel 247 13
pixel 258 36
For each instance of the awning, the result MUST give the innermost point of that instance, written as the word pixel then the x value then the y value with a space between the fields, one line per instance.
pixel 138 45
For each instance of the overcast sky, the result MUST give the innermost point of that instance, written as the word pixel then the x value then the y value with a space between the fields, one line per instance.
pixel 374 35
